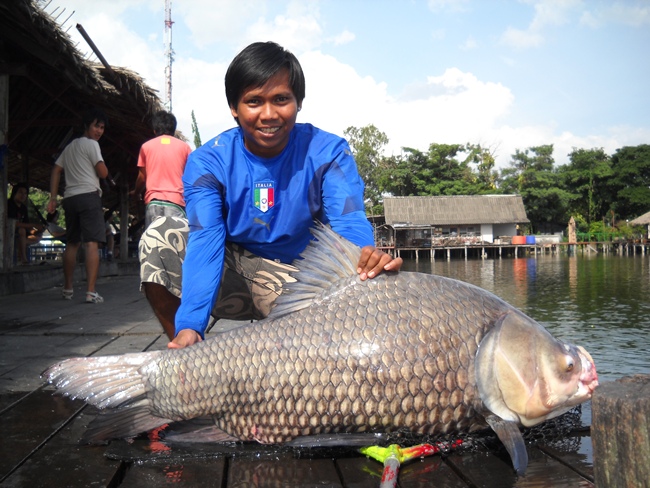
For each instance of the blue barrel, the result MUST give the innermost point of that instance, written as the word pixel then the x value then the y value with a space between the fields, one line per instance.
pixel 530 240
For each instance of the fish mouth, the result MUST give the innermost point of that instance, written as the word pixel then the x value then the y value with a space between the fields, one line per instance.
pixel 588 378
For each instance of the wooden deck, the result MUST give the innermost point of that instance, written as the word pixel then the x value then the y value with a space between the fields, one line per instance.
pixel 40 432
pixel 39 449
pixel 497 251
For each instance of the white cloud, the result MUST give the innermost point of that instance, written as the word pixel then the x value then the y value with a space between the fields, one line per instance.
pixel 547 13
pixel 552 13
pixel 521 39
pixel 219 22
pixel 470 43
pixel 204 94
pixel 297 33
pixel 132 51
pixel 454 107
pixel 344 37
pixel 448 5
pixel 590 20
pixel 451 106
pixel 634 15
pixel 625 13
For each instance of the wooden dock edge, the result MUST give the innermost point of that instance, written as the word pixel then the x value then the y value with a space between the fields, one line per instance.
pixel 620 432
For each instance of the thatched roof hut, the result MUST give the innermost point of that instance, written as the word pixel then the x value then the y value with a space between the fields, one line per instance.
pixel 50 85
pixel 643 220
pixel 455 210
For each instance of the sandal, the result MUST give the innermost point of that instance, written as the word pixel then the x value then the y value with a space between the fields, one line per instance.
pixel 67 294
pixel 93 297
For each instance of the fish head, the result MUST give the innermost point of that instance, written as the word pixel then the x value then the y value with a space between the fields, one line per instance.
pixel 527 376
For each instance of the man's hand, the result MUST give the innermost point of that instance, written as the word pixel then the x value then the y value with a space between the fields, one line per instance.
pixel 184 338
pixel 51 205
pixel 373 261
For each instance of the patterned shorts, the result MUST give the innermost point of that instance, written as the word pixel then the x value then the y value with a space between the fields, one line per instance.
pixel 249 283
pixel 160 208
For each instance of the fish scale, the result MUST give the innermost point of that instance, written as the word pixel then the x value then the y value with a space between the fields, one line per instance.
pixel 349 369
pixel 402 351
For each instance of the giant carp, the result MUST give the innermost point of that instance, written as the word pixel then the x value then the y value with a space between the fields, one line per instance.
pixel 403 351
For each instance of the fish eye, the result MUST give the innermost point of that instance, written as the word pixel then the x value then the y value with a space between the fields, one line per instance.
pixel 570 364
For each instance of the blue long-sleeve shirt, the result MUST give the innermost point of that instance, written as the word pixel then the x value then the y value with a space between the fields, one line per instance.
pixel 265 205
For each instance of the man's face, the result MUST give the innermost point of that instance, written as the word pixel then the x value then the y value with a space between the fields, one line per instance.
pixel 21 195
pixel 267 115
pixel 95 130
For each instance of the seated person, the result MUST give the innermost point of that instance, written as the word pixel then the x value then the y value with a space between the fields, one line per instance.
pixel 27 233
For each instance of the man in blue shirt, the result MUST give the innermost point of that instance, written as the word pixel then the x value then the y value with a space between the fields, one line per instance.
pixel 252 195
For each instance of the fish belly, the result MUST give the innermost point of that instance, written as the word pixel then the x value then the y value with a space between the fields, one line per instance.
pixel 395 352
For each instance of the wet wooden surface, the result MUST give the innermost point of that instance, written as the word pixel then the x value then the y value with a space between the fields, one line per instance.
pixel 40 431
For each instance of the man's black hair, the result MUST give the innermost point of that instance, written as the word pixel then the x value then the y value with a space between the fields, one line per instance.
pixel 16 187
pixel 256 64
pixel 93 114
pixel 164 123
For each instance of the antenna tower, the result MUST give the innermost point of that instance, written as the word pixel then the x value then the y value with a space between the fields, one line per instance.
pixel 169 55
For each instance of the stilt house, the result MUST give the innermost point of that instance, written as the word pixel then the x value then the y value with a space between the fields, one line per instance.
pixel 424 222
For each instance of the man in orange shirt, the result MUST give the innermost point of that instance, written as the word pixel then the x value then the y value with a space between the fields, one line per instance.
pixel 161 164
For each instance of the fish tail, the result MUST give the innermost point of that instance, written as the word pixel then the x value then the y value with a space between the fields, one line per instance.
pixel 115 385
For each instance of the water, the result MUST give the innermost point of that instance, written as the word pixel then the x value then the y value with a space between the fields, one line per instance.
pixel 600 302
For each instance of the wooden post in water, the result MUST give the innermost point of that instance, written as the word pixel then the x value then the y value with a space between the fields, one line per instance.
pixel 620 432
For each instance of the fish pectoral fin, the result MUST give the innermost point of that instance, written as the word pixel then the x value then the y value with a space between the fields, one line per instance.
pixel 197 430
pixel 509 434
pixel 121 423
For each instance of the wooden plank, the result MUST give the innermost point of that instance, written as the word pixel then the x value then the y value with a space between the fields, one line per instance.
pixel 494 470
pixel 29 423
pixel 430 471
pixel 362 472
pixel 197 473
pixel 483 469
pixel 282 470
pixel 580 459
pixel 127 344
pixel 9 398
pixel 63 462
pixel 359 472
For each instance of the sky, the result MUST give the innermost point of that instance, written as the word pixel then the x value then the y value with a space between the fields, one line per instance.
pixel 505 74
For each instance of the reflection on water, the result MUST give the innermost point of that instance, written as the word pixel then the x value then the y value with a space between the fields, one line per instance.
pixel 600 302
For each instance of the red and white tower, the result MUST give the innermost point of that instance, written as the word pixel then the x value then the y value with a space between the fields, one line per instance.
pixel 169 55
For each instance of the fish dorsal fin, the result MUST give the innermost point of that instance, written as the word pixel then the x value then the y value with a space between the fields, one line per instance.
pixel 327 259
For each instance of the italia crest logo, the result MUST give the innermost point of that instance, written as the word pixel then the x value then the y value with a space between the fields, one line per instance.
pixel 264 195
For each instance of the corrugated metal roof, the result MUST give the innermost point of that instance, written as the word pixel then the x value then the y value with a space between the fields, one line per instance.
pixel 455 210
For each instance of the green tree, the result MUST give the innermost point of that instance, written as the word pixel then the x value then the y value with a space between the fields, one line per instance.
pixel 195 132
pixel 585 177
pixel 531 175
pixel 483 158
pixel 367 144
pixel 446 169
pixel 630 181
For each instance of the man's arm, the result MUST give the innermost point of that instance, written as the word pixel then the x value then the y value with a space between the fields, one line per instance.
pixel 101 169
pixel 343 195
pixel 55 178
pixel 140 182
